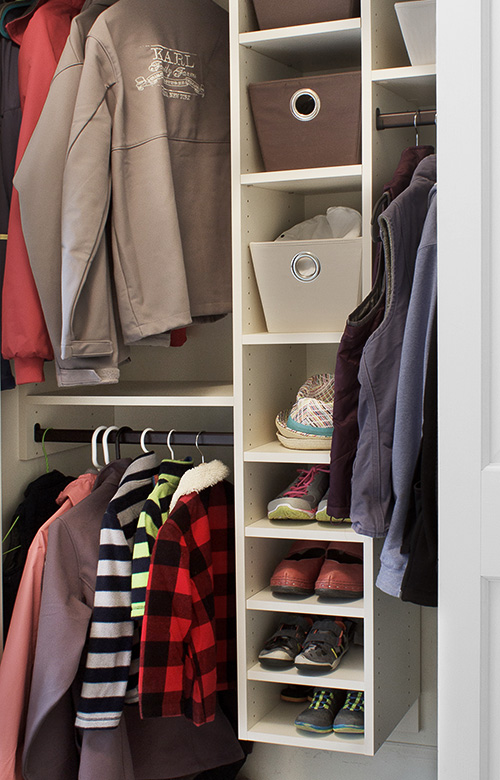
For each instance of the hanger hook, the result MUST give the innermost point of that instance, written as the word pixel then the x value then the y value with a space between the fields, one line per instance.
pixel 123 429
pixel 169 445
pixel 415 115
pixel 197 447
pixel 143 439
pixel 105 446
pixel 95 435
pixel 47 467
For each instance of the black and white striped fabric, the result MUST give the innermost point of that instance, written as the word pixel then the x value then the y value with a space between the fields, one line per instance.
pixel 111 669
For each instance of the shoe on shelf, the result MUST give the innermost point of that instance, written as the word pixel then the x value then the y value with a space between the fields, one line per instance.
pixel 341 575
pixel 327 641
pixel 297 573
pixel 351 718
pixel 286 642
pixel 321 713
pixel 299 501
pixel 296 693
pixel 324 517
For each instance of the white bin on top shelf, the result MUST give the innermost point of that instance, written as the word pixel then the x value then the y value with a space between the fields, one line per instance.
pixel 308 286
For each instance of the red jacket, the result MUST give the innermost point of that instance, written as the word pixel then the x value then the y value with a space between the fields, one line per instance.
pixel 188 636
pixel 41 35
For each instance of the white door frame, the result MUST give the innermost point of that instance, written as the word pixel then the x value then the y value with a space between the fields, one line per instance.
pixel 469 390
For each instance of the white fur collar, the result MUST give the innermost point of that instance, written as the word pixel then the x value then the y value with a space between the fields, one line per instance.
pixel 198 478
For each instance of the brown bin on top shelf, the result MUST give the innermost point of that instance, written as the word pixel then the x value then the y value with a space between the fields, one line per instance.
pixel 288 13
pixel 308 122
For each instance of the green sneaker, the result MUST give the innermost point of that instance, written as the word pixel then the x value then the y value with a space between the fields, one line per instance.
pixel 320 714
pixel 351 718
pixel 299 501
pixel 323 517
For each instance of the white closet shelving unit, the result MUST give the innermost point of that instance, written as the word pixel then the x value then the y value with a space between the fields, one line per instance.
pixel 242 371
pixel 270 367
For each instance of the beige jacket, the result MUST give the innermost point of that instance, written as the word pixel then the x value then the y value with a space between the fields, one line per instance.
pixel 150 145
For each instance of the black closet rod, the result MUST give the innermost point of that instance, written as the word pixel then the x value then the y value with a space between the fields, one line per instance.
pixel 427 116
pixel 128 436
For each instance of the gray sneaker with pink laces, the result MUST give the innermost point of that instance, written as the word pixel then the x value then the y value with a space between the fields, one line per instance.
pixel 299 501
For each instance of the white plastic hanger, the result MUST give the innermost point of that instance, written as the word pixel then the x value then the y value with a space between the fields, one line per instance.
pixel 197 447
pixel 95 435
pixel 169 445
pixel 105 446
pixel 143 439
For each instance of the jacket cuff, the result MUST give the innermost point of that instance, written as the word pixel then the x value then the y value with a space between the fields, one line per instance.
pixel 28 370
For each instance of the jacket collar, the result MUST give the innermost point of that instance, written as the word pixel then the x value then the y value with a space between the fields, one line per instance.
pixel 199 478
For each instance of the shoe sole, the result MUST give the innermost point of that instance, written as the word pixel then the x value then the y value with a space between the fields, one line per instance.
pixel 275 662
pixel 294 590
pixel 323 517
pixel 307 665
pixel 287 512
pixel 315 729
pixel 349 729
pixel 332 593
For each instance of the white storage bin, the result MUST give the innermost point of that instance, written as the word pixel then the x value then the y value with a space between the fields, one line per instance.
pixel 308 286
pixel 417 20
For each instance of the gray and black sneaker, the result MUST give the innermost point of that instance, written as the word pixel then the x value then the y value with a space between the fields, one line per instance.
pixel 299 501
pixel 351 718
pixel 327 641
pixel 320 715
pixel 286 642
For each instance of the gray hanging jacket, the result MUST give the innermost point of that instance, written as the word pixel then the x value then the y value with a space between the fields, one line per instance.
pixel 401 227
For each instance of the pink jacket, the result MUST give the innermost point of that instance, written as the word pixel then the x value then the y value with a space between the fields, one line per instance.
pixel 19 652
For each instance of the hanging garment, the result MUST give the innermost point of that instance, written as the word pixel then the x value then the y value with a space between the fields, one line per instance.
pixel 188 633
pixel 10 122
pixel 153 515
pixel 39 503
pixel 41 170
pixel 109 655
pixel 41 34
pixel 409 399
pixel 401 228
pixel 152 116
pixel 50 748
pixel 134 750
pixel 420 543
pixel 359 327
pixel 18 655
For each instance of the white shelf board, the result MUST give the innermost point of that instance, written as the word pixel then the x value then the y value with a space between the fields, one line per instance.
pixel 323 45
pixel 267 601
pixel 415 82
pixel 348 675
pixel 291 338
pixel 277 727
pixel 140 394
pixel 275 452
pixel 342 178
pixel 303 529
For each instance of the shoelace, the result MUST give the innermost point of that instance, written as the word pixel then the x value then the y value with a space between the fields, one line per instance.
pixel 355 701
pixel 322 699
pixel 299 488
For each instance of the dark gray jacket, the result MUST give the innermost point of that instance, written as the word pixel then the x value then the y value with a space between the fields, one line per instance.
pixel 410 399
pixel 401 227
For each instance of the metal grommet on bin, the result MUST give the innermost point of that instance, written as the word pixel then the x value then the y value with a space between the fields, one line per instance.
pixel 305 104
pixel 305 267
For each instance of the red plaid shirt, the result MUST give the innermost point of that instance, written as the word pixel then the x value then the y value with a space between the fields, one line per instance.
pixel 189 631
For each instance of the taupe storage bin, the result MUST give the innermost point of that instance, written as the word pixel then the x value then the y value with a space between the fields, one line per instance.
pixel 287 13
pixel 308 286
pixel 309 122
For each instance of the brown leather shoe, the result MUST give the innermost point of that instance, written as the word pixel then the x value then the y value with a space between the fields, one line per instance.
pixel 297 573
pixel 341 575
